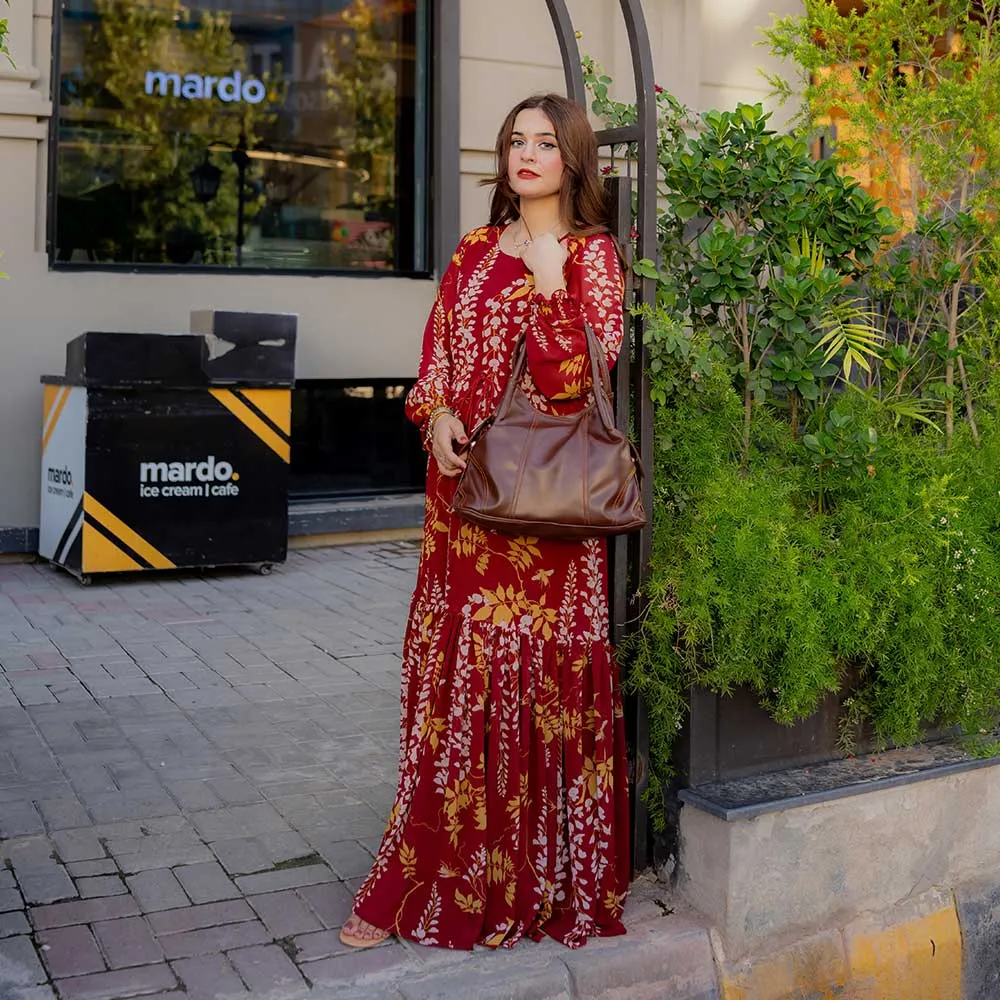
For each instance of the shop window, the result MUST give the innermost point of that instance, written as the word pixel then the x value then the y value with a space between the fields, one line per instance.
pixel 280 135
pixel 353 438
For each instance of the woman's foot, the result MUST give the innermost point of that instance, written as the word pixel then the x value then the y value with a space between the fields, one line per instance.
pixel 358 933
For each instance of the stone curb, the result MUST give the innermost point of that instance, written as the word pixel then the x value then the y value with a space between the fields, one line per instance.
pixel 669 958
pixel 940 945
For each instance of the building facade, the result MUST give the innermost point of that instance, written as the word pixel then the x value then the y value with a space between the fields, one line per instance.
pixel 316 157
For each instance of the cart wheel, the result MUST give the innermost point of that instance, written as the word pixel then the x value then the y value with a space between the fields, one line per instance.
pixel 264 569
pixel 86 580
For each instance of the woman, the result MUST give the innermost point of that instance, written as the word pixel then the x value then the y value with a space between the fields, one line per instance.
pixel 511 816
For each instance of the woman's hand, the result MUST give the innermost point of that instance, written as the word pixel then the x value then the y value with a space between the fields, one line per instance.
pixel 448 431
pixel 546 258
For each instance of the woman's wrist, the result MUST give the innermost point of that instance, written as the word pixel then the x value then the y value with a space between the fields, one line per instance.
pixel 432 418
pixel 548 284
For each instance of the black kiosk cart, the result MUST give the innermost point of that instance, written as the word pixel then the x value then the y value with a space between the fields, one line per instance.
pixel 169 451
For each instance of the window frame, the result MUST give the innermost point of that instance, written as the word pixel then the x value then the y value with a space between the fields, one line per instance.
pixel 437 169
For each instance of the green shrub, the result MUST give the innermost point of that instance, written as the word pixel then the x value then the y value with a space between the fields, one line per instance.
pixel 889 597
pixel 817 526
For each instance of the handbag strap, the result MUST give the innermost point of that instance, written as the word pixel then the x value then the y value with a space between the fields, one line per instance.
pixel 600 377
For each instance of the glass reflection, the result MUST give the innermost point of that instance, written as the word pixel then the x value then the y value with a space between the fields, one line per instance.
pixel 263 133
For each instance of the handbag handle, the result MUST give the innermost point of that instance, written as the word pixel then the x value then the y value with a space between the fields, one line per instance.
pixel 600 377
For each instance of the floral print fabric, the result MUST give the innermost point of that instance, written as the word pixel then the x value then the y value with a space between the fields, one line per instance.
pixel 511 816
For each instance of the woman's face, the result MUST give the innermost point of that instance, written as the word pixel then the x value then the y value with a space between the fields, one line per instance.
pixel 534 162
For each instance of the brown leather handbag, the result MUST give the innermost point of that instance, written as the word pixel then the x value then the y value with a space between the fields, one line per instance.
pixel 549 475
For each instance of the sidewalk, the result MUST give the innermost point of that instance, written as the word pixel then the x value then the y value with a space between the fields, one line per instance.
pixel 194 773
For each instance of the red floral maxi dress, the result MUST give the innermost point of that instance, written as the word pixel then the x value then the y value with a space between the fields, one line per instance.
pixel 511 815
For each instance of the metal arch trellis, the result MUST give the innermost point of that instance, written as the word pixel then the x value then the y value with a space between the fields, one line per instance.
pixel 629 556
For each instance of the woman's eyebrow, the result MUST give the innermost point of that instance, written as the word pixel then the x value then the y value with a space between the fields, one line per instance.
pixel 536 134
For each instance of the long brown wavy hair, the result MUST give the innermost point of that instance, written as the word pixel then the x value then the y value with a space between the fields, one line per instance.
pixel 583 205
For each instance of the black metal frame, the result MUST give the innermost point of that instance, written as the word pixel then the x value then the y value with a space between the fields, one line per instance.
pixel 630 556
pixel 440 175
pixel 52 153
pixel 445 173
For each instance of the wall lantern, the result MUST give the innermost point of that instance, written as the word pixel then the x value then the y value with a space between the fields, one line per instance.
pixel 205 178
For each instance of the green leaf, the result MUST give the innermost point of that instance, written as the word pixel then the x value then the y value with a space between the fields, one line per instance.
pixel 686 210
pixel 645 268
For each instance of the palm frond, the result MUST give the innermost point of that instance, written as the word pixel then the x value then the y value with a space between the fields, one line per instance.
pixel 851 329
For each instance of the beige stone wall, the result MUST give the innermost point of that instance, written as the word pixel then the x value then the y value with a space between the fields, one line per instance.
pixel 704 52
pixel 349 327
pixel 781 876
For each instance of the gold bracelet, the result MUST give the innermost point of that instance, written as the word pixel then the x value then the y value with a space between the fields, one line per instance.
pixel 432 419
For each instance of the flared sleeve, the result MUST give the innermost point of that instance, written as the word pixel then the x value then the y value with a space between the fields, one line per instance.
pixel 556 340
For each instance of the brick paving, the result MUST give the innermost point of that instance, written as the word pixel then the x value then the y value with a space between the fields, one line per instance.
pixel 195 770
